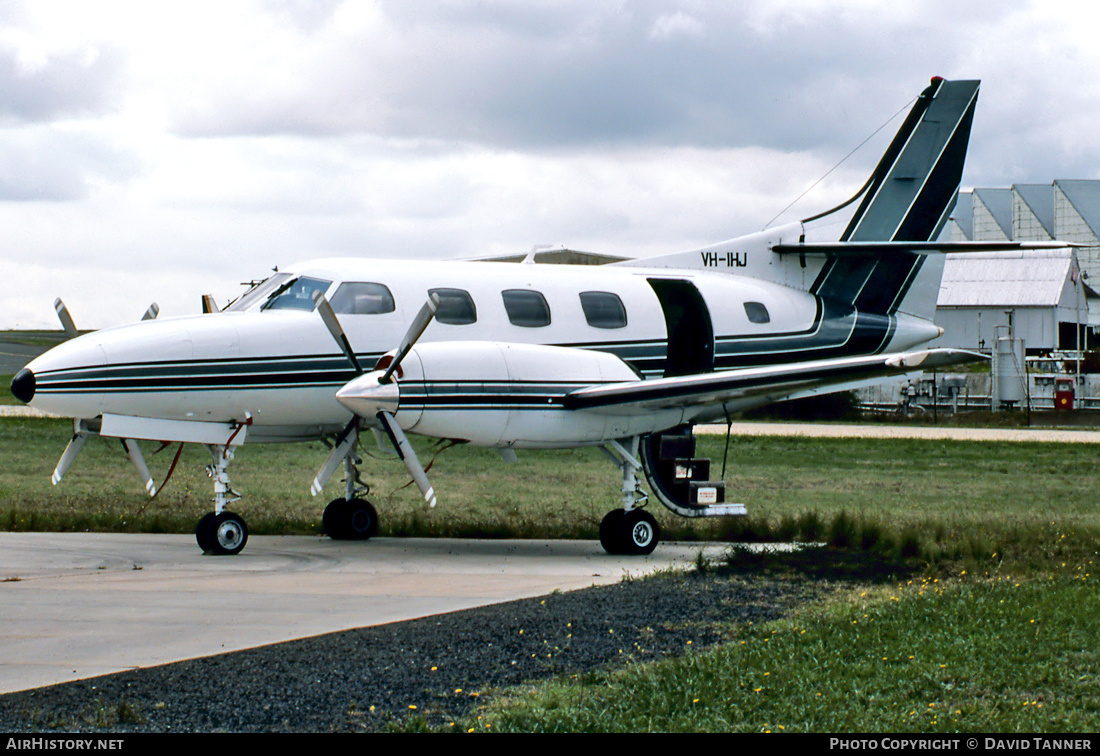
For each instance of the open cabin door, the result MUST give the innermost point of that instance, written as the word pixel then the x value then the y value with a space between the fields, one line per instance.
pixel 687 322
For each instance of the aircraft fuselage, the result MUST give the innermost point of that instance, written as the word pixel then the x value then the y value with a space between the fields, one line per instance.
pixel 278 365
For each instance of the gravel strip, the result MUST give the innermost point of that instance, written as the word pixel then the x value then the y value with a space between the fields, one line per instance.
pixel 445 666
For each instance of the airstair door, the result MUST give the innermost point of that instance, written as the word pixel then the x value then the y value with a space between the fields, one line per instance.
pixel 689 328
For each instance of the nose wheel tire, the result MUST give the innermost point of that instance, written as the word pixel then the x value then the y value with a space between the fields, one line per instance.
pixel 203 533
pixel 219 534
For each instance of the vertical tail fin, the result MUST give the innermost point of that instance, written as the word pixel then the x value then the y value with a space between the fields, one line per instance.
pixel 912 190
pixel 909 197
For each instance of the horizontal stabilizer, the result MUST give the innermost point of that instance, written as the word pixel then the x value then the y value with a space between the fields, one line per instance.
pixel 874 249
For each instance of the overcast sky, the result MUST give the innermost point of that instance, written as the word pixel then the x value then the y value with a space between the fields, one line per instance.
pixel 158 152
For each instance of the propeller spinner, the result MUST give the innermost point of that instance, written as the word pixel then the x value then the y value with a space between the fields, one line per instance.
pixel 375 395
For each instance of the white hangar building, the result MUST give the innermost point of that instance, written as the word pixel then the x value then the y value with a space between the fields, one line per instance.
pixel 1044 294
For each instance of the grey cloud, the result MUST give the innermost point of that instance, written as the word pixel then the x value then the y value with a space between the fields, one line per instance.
pixel 39 164
pixel 560 75
pixel 74 83
pixel 307 15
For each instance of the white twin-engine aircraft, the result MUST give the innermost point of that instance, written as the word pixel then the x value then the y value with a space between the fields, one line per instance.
pixel 625 356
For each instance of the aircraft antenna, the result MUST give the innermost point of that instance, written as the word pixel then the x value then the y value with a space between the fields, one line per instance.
pixel 855 149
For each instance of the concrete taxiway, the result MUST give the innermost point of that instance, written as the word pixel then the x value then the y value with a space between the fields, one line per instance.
pixel 80 605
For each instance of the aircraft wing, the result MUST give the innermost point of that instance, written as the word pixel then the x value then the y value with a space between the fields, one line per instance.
pixel 757 386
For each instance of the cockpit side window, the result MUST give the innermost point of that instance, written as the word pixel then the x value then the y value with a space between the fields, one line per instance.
pixel 526 308
pixel 258 293
pixel 456 307
pixel 296 294
pixel 352 298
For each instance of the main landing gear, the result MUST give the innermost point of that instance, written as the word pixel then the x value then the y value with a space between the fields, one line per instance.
pixel 221 531
pixel 633 532
pixel 679 480
pixel 630 530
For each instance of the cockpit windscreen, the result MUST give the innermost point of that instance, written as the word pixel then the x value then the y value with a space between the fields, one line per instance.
pixel 296 294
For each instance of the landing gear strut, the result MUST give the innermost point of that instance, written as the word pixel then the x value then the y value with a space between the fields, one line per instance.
pixel 630 530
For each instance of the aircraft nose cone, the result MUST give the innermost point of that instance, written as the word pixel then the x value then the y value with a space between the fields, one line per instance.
pixel 23 385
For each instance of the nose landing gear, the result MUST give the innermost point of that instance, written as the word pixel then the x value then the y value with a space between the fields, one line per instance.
pixel 221 532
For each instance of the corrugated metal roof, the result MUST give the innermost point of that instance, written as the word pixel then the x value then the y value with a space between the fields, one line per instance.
pixel 1033 278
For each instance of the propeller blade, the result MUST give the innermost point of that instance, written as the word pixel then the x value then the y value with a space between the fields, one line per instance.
pixel 416 330
pixel 139 462
pixel 152 312
pixel 345 445
pixel 334 327
pixel 408 456
pixel 65 318
pixel 74 447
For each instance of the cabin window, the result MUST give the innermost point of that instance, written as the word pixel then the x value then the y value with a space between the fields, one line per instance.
pixel 602 309
pixel 355 298
pixel 526 308
pixel 296 294
pixel 757 312
pixel 456 307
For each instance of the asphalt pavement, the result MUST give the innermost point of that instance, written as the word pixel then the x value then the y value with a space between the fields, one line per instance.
pixel 78 605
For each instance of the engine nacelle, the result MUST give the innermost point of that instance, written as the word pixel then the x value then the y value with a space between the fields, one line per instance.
pixel 499 394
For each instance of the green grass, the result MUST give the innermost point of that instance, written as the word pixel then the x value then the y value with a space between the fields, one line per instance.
pixel 44 338
pixel 988 654
pixel 955 498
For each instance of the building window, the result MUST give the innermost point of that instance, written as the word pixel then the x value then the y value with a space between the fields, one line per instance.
pixel 757 312
pixel 526 308
pixel 456 307
pixel 602 309
pixel 353 298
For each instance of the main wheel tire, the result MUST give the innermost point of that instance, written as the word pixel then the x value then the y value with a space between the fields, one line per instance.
pixel 332 521
pixel 640 532
pixel 203 533
pixel 361 519
pixel 228 533
pixel 612 533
